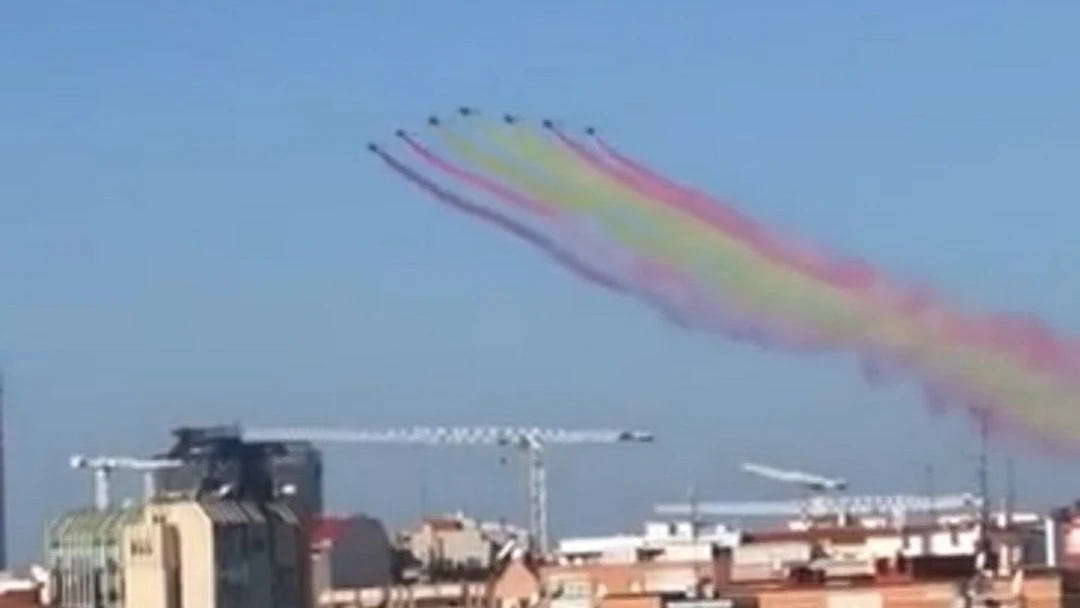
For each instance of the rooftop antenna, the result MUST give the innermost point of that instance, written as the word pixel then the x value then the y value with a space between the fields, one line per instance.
pixel 983 474
pixel 695 511
pixel 423 486
pixel 931 491
pixel 1010 491
pixel 984 467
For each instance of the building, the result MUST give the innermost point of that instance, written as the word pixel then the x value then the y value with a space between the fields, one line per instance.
pixel 936 565
pixel 217 461
pixel 83 554
pixel 20 598
pixel 659 541
pixel 350 552
pixel 208 553
pixel 456 546
pixel 23 591
pixel 654 585
pixel 297 471
pixel 215 554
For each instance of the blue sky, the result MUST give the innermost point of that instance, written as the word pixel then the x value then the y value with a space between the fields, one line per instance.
pixel 191 231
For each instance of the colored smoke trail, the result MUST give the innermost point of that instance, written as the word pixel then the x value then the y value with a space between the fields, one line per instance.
pixel 705 265
pixel 644 271
pixel 1024 336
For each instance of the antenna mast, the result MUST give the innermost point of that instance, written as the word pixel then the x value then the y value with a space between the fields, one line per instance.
pixel 931 490
pixel 985 550
pixel 1010 491
pixel 984 471
pixel 695 515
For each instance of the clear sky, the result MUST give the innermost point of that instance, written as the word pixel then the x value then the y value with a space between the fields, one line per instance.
pixel 192 232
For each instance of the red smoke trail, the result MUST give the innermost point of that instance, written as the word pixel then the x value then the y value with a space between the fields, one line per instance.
pixel 1026 338
pixel 851 274
pixel 644 272
pixel 704 313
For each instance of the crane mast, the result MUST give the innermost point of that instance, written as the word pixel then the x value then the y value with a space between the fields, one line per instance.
pixel 103 468
pixel 531 442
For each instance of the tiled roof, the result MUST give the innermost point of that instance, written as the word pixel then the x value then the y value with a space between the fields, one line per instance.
pixel 229 512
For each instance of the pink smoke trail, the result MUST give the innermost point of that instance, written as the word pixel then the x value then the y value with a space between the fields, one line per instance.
pixel 577 266
pixel 478 181
pixel 1025 338
pixel 651 274
pixel 850 274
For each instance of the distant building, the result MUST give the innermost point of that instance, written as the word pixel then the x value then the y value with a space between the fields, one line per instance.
pixel 350 552
pixel 659 541
pixel 23 591
pixel 297 472
pixel 218 462
pixel 455 545
pixel 20 598
pixel 216 554
pixel 208 553
pixel 83 554
pixel 936 565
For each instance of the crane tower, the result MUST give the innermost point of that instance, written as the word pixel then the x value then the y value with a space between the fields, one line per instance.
pixel 531 442
pixel 103 468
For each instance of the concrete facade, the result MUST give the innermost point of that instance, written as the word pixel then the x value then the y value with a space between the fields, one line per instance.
pixel 180 554
pixel 456 542
pixel 215 554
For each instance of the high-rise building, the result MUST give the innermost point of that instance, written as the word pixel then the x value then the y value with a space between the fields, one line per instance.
pixel 218 462
pixel 215 553
pixel 297 471
pixel 180 553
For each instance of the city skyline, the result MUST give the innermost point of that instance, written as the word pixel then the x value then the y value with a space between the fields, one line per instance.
pixel 194 234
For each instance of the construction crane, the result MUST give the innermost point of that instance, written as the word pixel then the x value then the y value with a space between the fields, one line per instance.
pixel 815 486
pixel 530 441
pixel 809 481
pixel 103 468
pixel 896 506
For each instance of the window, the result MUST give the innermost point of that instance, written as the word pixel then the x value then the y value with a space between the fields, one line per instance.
pixel 141 547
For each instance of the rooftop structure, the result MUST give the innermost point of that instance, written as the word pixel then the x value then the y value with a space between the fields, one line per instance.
pixel 673 541
pixel 219 461
pixel 839 566
pixel 455 545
